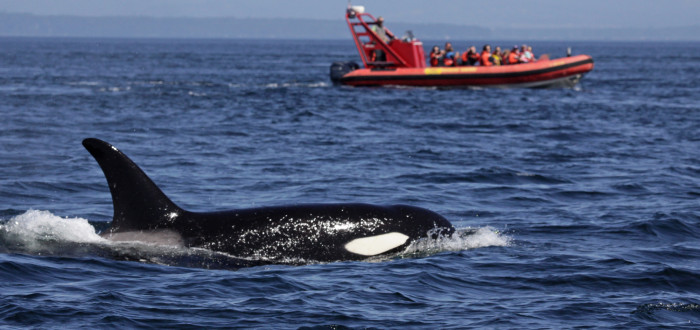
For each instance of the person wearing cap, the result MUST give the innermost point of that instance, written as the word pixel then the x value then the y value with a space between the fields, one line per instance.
pixel 381 31
pixel 378 55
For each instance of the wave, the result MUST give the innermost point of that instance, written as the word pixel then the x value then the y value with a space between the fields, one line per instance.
pixel 84 83
pixel 679 314
pixel 492 175
pixel 297 84
pixel 114 89
pixel 55 90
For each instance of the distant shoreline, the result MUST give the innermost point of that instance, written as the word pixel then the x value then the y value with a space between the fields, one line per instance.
pixel 30 25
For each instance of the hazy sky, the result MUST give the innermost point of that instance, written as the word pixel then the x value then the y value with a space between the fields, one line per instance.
pixel 534 13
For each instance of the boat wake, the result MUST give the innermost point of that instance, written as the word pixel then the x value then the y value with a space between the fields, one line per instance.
pixel 42 233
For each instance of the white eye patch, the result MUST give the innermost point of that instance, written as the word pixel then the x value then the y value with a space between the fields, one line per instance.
pixel 373 245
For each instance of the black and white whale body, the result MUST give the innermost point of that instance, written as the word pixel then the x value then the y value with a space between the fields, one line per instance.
pixel 282 234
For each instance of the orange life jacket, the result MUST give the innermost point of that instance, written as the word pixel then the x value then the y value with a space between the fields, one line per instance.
pixel 449 61
pixel 513 58
pixel 485 59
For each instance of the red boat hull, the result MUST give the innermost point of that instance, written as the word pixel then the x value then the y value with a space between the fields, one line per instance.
pixel 544 73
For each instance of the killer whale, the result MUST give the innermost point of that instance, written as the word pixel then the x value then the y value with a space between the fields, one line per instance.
pixel 279 234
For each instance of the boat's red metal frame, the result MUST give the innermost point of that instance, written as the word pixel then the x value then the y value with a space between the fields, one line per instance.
pixel 356 20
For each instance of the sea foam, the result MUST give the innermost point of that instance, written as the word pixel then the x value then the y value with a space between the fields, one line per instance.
pixel 463 239
pixel 35 226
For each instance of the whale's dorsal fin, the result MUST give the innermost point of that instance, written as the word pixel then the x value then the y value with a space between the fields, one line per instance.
pixel 138 203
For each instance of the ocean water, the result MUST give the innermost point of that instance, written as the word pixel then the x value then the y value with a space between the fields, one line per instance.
pixel 583 204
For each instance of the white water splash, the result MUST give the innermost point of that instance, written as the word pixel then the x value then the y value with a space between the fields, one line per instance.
pixel 463 239
pixel 43 233
pixel 115 89
pixel 36 226
pixel 196 94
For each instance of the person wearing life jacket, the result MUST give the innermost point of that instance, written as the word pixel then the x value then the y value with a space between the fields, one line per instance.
pixel 436 56
pixel 504 56
pixel 449 55
pixel 470 56
pixel 514 56
pixel 497 56
pixel 485 57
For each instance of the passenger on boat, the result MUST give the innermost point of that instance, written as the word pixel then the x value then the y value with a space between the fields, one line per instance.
pixel 514 56
pixel 470 56
pixel 529 50
pixel 497 56
pixel 504 57
pixel 381 31
pixel 526 55
pixel 449 55
pixel 485 57
pixel 436 56
pixel 378 55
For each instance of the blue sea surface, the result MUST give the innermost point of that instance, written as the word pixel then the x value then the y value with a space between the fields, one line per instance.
pixel 584 203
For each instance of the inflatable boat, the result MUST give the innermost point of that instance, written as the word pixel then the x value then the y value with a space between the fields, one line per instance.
pixel 401 62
